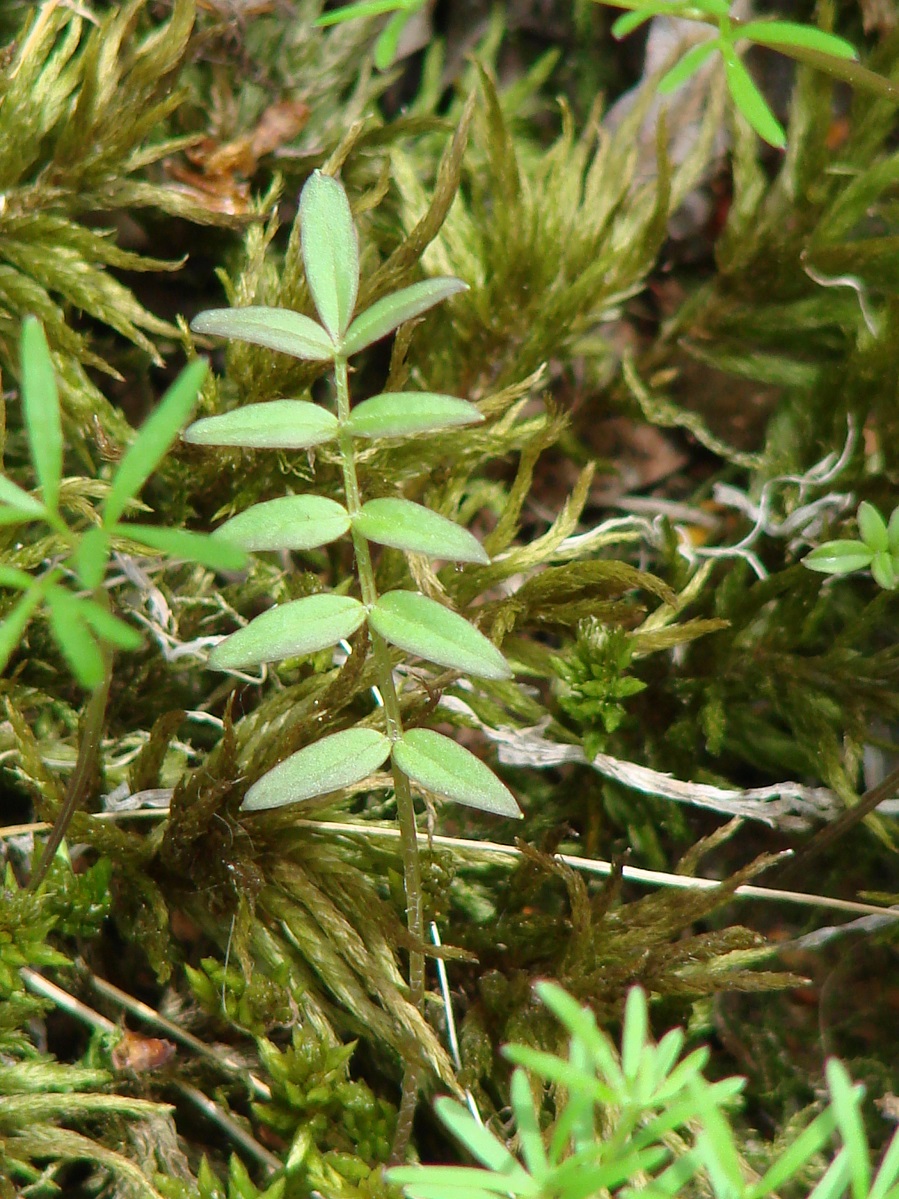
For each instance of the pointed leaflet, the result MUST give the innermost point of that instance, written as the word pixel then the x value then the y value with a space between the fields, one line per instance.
pixel 445 768
pixel 184 543
pixel 275 328
pixel 389 313
pixel 417 529
pixel 292 522
pixel 156 435
pixel 750 101
pixel 274 425
pixel 16 622
pixel 76 642
pixel 299 627
pixel 328 765
pixel 839 557
pixel 872 527
pixel 399 413
pixel 422 626
pixel 784 35
pixel 330 251
pixel 40 402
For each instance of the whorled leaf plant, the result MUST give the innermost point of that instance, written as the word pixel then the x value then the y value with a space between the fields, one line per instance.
pixel 408 620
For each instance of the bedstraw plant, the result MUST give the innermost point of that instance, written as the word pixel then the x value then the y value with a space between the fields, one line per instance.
pixel 397 620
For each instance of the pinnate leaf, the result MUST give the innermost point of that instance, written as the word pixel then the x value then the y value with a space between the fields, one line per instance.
pixel 391 311
pixel 414 528
pixel 327 765
pixel 301 626
pixel 330 251
pixel 400 413
pixel 156 435
pixel 292 522
pixel 421 626
pixel 274 425
pixel 444 768
pixel 275 328
pixel 40 402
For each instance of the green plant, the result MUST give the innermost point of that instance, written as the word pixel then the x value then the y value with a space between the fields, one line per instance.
pixel 403 620
pixel 388 39
pixel 823 50
pixel 876 549
pixel 65 544
pixel 641 1122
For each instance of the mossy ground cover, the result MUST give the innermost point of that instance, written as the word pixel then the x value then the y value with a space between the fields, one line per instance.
pixel 684 345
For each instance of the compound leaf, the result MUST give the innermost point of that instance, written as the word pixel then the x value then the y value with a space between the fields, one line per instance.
pixel 301 626
pixel 274 425
pixel 414 528
pixel 444 768
pixel 330 764
pixel 421 626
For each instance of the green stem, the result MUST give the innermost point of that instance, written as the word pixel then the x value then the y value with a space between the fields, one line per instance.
pixel 393 718
pixel 91 736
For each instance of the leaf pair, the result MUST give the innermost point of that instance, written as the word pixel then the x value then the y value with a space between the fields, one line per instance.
pixel 82 625
pixel 433 761
pixel 405 619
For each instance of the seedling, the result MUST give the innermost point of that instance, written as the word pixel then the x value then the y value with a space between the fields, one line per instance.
pixel 405 620
pixel 69 582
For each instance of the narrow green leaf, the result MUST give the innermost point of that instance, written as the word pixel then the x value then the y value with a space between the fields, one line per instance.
pixel 416 529
pixel 846 1099
pixel 888 1172
pixel 687 67
pixel 292 522
pixel 76 643
pixel 811 1140
pixel 16 622
pixel 750 100
pixel 108 627
pixel 389 313
pixel 289 630
pixel 530 1136
pixel 327 765
pixel 422 626
pixel 883 569
pixel 446 769
pixel 275 328
pixel 400 413
pixel 91 557
pixel 330 251
pixel 629 23
pixel 839 557
pixel 156 435
pixel 635 1032
pixel 872 527
pixel 21 501
pixel 11 576
pixel 787 34
pixel 893 531
pixel 389 37
pixel 187 545
pixel 478 1140
pixel 363 8
pixel 273 425
pixel 40 403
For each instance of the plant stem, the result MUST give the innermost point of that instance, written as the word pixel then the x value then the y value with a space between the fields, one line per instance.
pixel 405 808
pixel 85 765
